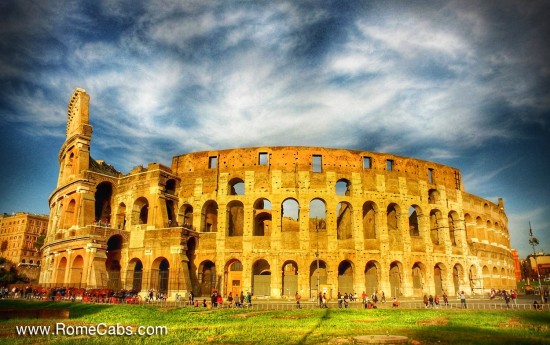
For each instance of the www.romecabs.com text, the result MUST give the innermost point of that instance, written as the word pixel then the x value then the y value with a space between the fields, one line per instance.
pixel 100 329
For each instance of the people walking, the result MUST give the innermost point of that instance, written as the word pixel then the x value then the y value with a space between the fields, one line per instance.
pixel 298 298
pixel 463 300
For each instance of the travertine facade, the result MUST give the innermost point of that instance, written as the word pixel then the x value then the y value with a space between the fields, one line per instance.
pixel 271 220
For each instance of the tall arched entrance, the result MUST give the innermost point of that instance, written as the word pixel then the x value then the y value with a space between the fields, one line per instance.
pixel 395 278
pixel 160 274
pixel 261 278
pixel 317 276
pixel 438 279
pixel 371 277
pixel 112 264
pixel 290 278
pixel 345 277
pixel 207 277
pixel 134 275
pixel 233 277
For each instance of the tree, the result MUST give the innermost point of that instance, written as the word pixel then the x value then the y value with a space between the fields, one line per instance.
pixel 4 246
pixel 40 241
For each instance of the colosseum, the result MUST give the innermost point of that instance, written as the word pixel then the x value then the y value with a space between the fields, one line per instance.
pixel 272 221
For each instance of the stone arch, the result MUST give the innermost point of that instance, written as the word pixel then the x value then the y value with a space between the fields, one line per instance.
pixel 453 231
pixel 191 265
pixel 418 279
pixel 458 277
pixel 395 277
pixel 435 226
pixel 317 215
pixel 121 216
pixel 236 186
pixel 433 196
pixel 369 220
pixel 69 216
pixel 439 278
pixel 209 219
pixel 140 211
pixel 160 274
pixel 345 277
pixel 207 277
pixel 414 227
pixel 317 274
pixel 372 276
pixel 489 230
pixel 103 194
pixel 233 274
pixel 290 215
pixel 290 278
pixel 235 218
pixel 392 222
pixel 503 279
pixel 486 277
pixel 262 218
pixel 134 275
pixel 61 269
pixel 343 187
pixel 112 264
pixel 344 221
pixel 77 269
pixel 185 215
pixel 261 278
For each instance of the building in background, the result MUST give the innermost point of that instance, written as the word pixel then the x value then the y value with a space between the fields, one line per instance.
pixel 272 221
pixel 541 266
pixel 19 234
pixel 517 264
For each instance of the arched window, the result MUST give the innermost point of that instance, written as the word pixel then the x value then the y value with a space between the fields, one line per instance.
pixel 236 187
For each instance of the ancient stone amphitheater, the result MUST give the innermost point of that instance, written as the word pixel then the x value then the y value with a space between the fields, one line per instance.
pixel 270 220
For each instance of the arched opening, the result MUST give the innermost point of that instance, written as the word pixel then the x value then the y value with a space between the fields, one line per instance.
pixel 207 277
pixel 61 268
pixel 345 277
pixel 103 194
pixel 290 278
pixel 290 216
pixel 395 278
pixel 185 216
pixel 371 277
pixel 475 283
pixel 236 186
pixel 160 270
pixel 77 270
pixel 392 221
pixel 234 277
pixel 457 277
pixel 262 218
pixel 438 279
pixel 317 277
pixel 261 278
pixel 344 219
pixel 121 216
pixel 317 215
pixel 170 213
pixel 418 279
pixel 235 218
pixel 112 264
pixel 343 187
pixel 191 265
pixel 453 222
pixel 435 220
pixel 369 220
pixel 140 211
pixel 414 229
pixel 69 218
pixel 210 217
pixel 134 275
pixel 433 196
pixel 470 228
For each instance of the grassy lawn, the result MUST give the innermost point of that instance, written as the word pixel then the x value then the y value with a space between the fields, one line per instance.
pixel 312 326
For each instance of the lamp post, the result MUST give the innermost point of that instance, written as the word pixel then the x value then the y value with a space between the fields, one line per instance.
pixel 533 241
pixel 317 256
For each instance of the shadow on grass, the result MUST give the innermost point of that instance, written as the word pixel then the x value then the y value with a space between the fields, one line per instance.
pixel 76 309
pixel 324 317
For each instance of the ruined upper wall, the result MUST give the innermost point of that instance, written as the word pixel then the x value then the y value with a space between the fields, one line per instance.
pixel 296 158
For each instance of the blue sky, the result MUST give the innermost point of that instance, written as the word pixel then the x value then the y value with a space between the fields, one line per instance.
pixel 461 83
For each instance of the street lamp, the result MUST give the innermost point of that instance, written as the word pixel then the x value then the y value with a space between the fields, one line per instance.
pixel 317 256
pixel 533 241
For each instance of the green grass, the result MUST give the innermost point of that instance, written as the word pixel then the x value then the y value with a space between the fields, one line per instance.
pixel 307 326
